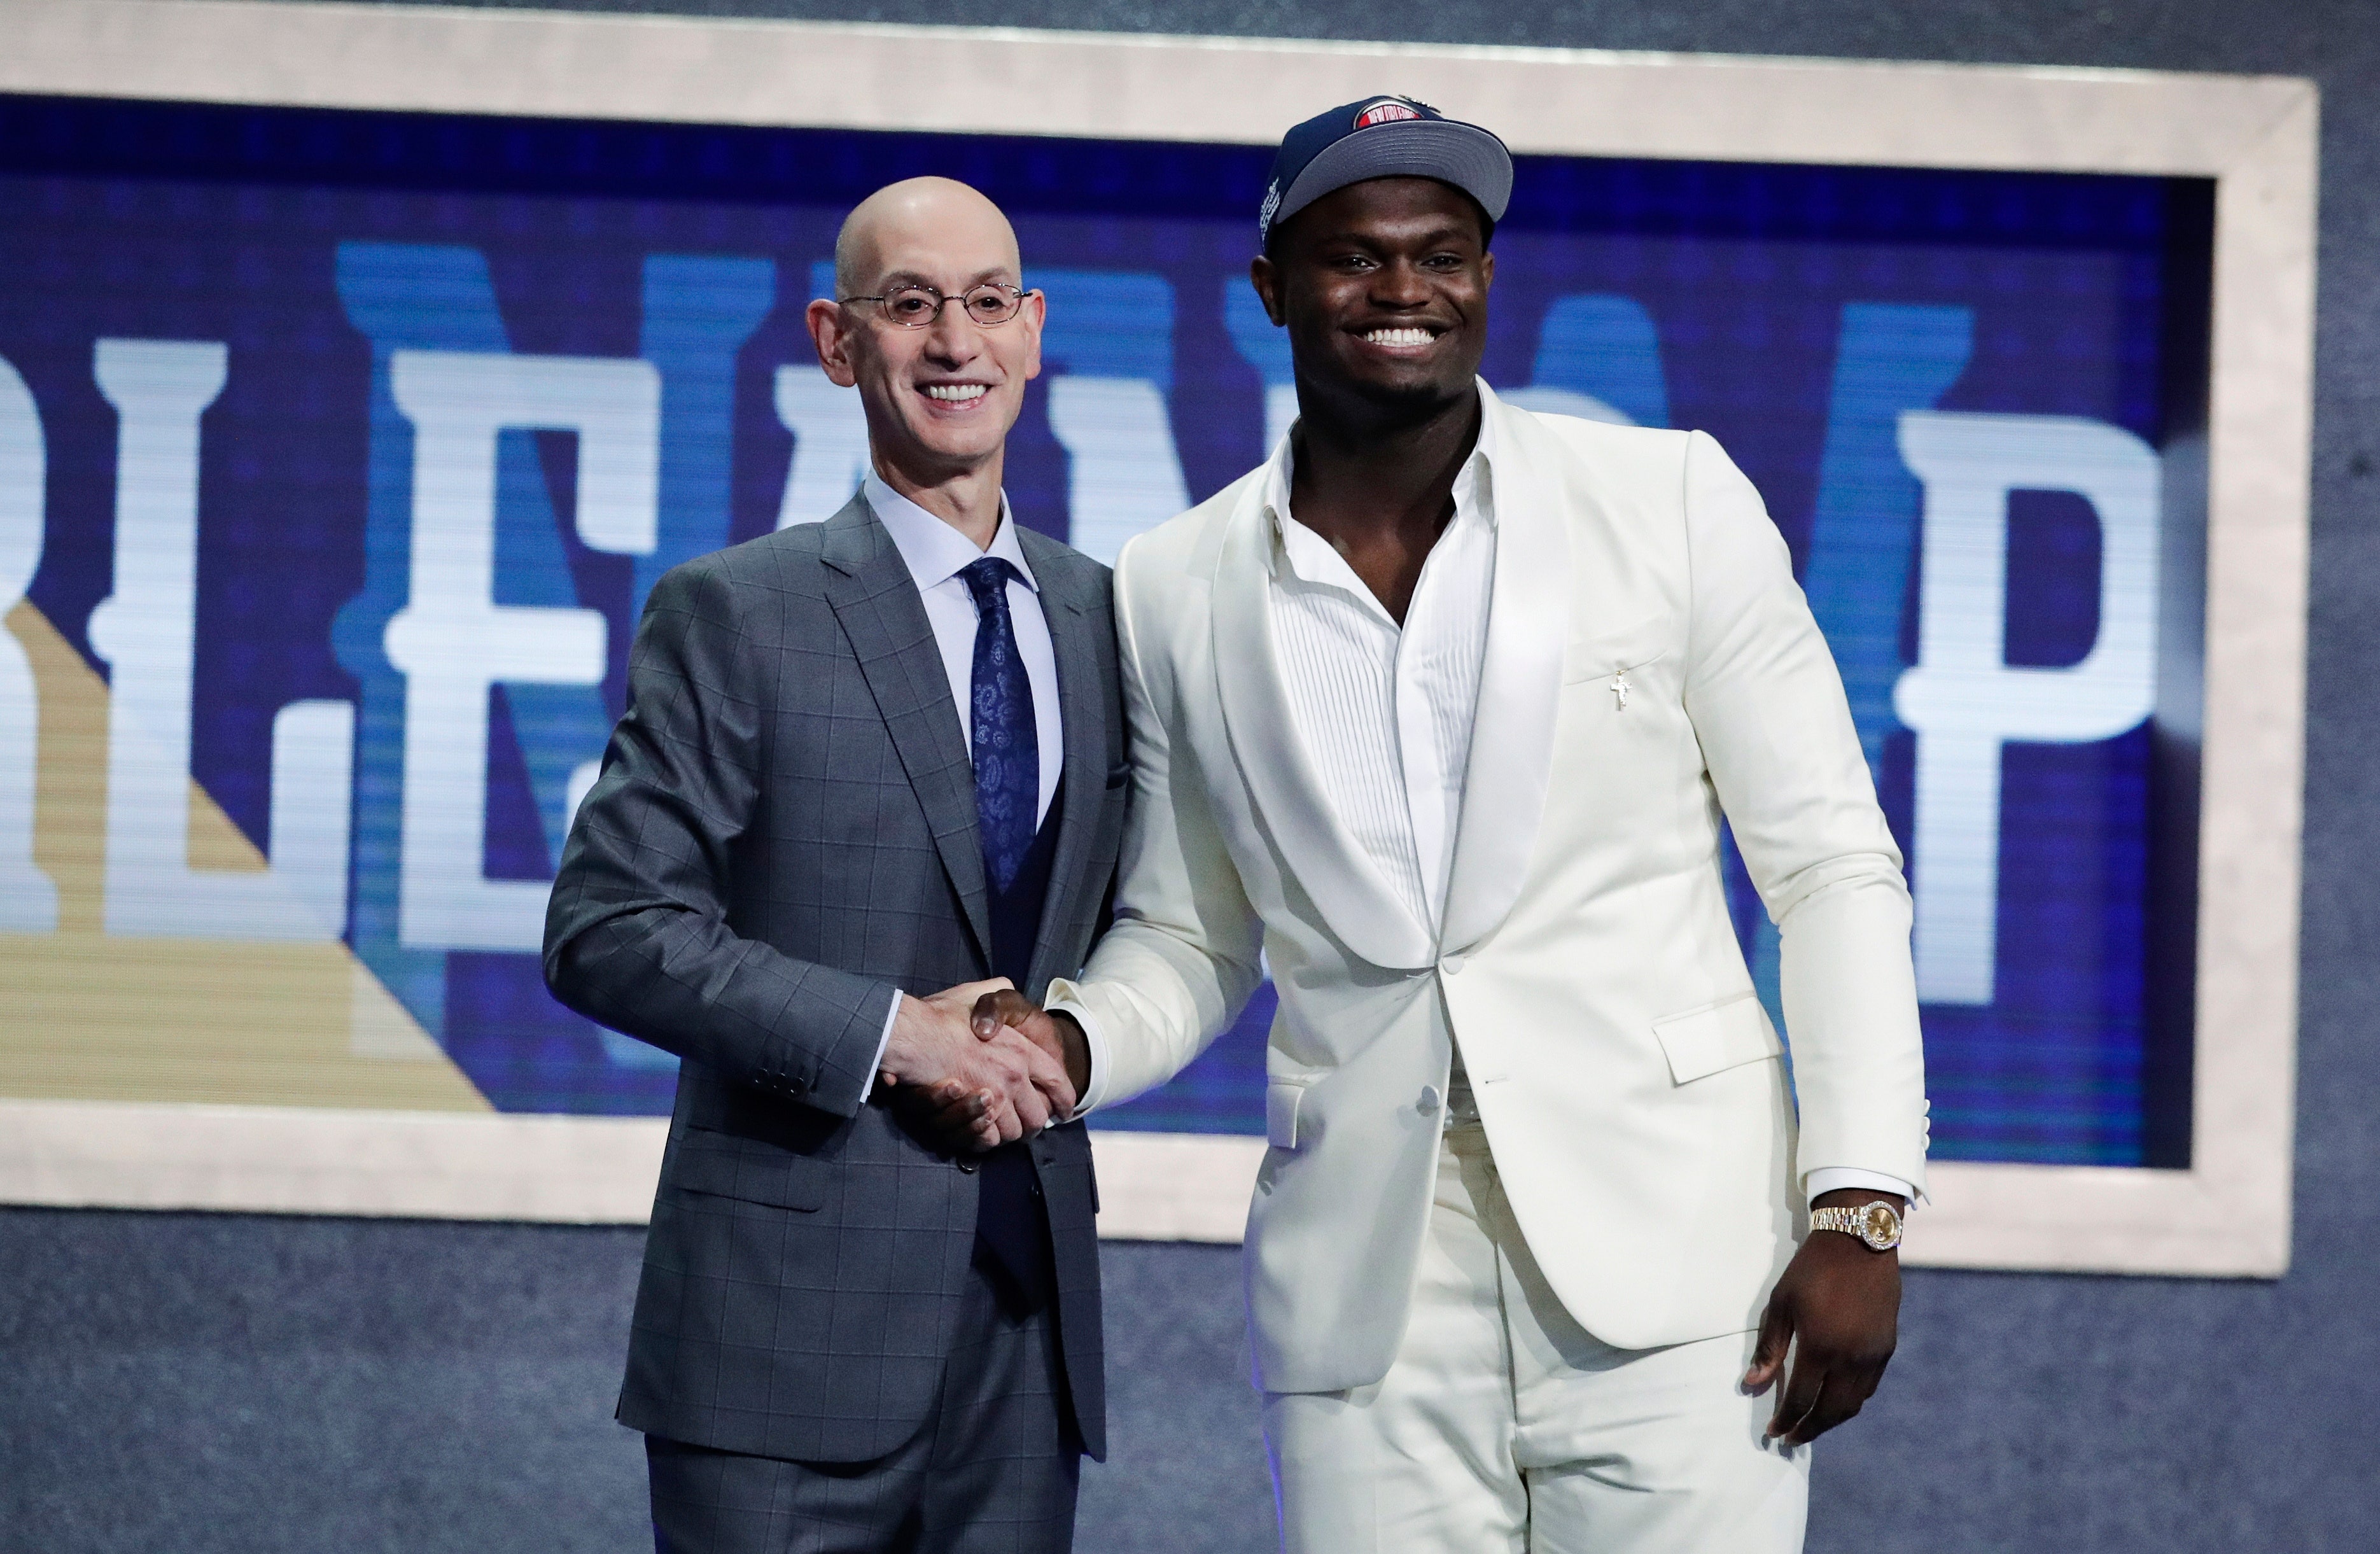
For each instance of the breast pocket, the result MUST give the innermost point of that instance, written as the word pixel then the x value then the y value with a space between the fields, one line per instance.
pixel 1608 655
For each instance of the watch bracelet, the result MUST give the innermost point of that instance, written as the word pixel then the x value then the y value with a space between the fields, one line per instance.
pixel 1852 1220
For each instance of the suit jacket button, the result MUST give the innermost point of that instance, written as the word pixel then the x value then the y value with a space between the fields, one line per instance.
pixel 968 1167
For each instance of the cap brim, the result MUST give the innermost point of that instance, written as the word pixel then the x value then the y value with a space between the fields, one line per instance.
pixel 1461 155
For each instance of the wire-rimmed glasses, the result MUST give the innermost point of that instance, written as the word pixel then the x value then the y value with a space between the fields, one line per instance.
pixel 918 305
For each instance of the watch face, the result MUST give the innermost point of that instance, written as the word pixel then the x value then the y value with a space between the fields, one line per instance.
pixel 1879 1226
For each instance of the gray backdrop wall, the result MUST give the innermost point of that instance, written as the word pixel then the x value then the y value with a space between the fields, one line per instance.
pixel 203 1383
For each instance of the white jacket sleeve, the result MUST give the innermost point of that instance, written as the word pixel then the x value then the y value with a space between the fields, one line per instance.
pixel 1184 953
pixel 1777 740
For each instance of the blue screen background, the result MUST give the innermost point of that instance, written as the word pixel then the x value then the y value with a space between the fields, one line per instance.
pixel 1792 313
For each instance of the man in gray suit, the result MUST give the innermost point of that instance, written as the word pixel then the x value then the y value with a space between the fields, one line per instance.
pixel 864 760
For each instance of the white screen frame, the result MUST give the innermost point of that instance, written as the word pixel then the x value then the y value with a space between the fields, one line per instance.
pixel 2230 1214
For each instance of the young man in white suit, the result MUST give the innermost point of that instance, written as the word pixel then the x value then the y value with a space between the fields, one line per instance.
pixel 1440 709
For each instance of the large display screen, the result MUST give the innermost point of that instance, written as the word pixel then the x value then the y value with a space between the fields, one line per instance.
pixel 338 452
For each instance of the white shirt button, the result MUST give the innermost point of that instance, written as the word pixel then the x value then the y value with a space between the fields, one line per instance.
pixel 1429 1099
pixel 1452 965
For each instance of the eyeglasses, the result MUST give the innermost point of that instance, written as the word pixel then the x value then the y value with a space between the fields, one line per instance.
pixel 916 307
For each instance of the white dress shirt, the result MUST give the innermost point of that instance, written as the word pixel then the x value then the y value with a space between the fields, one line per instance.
pixel 1384 712
pixel 935 553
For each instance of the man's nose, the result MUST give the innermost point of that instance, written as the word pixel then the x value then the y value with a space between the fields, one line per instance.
pixel 952 337
pixel 1400 284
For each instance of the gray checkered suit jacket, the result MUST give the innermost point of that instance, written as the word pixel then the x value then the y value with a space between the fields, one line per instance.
pixel 783 833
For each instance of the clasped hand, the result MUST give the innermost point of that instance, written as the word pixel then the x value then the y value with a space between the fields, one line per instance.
pixel 972 1082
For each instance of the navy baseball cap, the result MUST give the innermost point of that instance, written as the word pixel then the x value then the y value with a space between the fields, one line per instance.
pixel 1383 138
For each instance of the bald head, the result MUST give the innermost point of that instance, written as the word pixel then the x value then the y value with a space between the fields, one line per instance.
pixel 921 215
pixel 940 390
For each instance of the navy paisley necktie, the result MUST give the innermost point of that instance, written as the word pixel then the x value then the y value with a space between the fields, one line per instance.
pixel 1007 747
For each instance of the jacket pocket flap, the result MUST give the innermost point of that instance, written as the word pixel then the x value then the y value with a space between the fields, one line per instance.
pixel 1725 1036
pixel 725 1167
pixel 1282 1100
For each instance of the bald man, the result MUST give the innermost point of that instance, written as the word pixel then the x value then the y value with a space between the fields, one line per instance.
pixel 871 769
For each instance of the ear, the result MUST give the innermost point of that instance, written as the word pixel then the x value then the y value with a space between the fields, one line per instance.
pixel 828 333
pixel 1265 278
pixel 1030 317
pixel 1486 270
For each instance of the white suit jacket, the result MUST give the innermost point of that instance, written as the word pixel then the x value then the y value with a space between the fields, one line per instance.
pixel 1629 1081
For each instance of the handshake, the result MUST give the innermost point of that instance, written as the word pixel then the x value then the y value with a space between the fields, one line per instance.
pixel 980 1064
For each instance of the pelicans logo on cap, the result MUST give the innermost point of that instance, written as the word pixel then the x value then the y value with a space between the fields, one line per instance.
pixel 1387 110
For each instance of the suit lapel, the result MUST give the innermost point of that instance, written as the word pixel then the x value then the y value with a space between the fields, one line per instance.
pixel 1069 606
pixel 876 601
pixel 1357 903
pixel 1520 680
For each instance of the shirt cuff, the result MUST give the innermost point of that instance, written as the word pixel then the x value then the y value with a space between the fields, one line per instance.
pixel 1095 1094
pixel 1834 1179
pixel 885 1039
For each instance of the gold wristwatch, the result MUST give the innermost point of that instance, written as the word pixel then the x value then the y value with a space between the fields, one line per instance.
pixel 1877 1224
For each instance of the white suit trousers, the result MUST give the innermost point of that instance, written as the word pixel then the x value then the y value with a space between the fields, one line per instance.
pixel 1504 1428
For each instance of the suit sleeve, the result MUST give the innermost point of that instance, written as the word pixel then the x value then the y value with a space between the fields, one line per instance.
pixel 1185 952
pixel 637 933
pixel 1777 740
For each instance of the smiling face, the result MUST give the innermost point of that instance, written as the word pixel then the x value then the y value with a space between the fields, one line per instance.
pixel 1383 287
pixel 940 400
